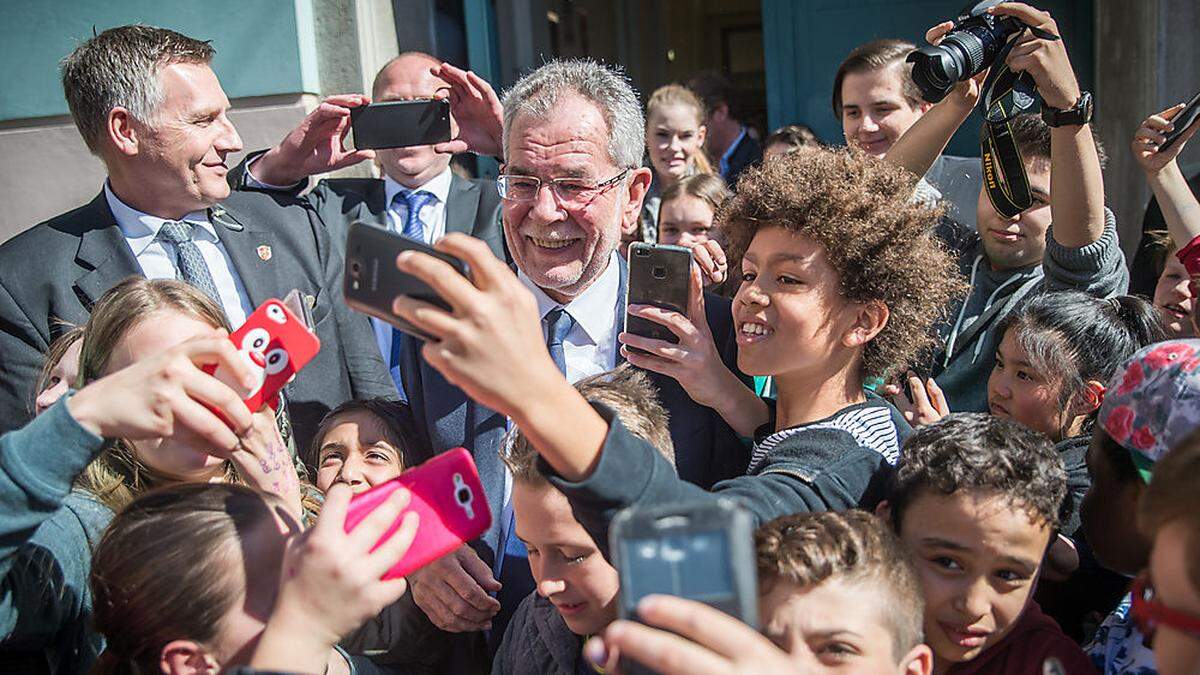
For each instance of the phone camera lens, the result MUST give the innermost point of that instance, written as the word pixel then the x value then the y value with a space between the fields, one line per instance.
pixel 659 272
pixel 463 495
pixel 641 252
pixel 355 267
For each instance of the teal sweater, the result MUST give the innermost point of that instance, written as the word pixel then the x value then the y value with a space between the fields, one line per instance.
pixel 47 533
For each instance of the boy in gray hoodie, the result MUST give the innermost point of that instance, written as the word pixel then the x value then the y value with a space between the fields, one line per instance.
pixel 1067 240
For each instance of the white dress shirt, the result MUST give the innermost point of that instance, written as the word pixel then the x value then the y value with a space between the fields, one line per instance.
pixel 590 348
pixel 433 217
pixel 158 260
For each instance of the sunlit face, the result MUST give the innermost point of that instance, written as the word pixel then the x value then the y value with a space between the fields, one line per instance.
pixel 977 556
pixel 181 456
pixel 1021 240
pixel 180 162
pixel 563 247
pixel 1175 652
pixel 1173 299
pixel 837 626
pixel 789 312
pixel 685 221
pixel 674 134
pixel 62 377
pixel 875 111
pixel 1020 392
pixel 358 451
pixel 568 568
pixel 406 79
pixel 1105 513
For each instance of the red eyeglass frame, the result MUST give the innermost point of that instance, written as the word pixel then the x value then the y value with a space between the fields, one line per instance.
pixel 1149 613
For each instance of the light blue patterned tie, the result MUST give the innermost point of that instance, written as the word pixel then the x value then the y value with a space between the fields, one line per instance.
pixel 189 263
pixel 414 227
pixel 558 324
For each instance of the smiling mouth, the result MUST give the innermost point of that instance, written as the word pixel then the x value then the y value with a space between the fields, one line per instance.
pixel 750 332
pixel 965 637
pixel 998 410
pixel 1177 311
pixel 1005 235
pixel 551 244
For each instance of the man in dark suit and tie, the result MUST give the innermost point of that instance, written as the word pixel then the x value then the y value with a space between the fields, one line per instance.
pixel 418 195
pixel 576 129
pixel 147 103
pixel 730 144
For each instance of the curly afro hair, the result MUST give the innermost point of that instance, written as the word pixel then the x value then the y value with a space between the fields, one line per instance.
pixel 881 243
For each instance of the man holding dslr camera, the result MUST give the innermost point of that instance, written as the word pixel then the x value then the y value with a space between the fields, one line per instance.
pixel 1014 258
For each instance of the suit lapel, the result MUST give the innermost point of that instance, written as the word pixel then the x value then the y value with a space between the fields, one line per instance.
pixel 373 209
pixel 103 251
pixel 250 250
pixel 462 203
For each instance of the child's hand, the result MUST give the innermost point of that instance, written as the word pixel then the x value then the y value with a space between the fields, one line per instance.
pixel 332 580
pixel 169 395
pixel 694 361
pixel 929 405
pixel 1045 60
pixel 711 259
pixel 701 641
pixel 490 344
pixel 265 464
pixel 1152 134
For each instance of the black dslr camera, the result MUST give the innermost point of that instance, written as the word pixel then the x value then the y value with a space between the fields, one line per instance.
pixel 970 47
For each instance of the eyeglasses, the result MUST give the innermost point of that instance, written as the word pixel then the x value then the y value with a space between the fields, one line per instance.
pixel 569 191
pixel 1149 613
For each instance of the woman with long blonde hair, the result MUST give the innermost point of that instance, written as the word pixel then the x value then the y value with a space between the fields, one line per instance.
pixel 674 144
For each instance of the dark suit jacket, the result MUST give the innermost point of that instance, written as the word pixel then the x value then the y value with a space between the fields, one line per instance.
pixel 747 153
pixel 58 269
pixel 472 206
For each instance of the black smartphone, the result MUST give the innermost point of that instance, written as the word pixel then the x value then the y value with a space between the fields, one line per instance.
pixel 371 281
pixel 1184 119
pixel 400 124
pixel 659 275
pixel 703 551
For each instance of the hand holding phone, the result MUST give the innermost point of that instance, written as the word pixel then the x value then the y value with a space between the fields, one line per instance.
pixel 1182 121
pixel 659 275
pixel 372 282
pixel 275 344
pixel 447 496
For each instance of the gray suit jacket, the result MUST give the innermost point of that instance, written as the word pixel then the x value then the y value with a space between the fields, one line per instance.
pixel 58 269
pixel 472 206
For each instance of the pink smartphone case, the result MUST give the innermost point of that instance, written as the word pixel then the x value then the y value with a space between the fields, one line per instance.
pixel 276 345
pixel 447 495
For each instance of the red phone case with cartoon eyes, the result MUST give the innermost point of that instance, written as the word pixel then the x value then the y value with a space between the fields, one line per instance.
pixel 447 496
pixel 275 344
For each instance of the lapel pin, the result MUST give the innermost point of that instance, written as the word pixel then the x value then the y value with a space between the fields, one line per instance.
pixel 264 253
pixel 218 214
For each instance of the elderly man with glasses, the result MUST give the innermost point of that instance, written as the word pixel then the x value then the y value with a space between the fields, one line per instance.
pixel 572 138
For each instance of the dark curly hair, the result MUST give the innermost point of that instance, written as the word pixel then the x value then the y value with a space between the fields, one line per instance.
pixel 805 549
pixel 880 242
pixel 976 451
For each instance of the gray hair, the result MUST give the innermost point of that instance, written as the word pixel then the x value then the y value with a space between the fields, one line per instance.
pixel 119 67
pixel 607 87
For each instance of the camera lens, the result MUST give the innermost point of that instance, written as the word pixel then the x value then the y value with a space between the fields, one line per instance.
pixel 355 267
pixel 463 495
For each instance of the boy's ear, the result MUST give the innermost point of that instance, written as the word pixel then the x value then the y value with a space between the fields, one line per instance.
pixel 918 661
pixel 870 319
pixel 184 657
pixel 1091 396
pixel 884 511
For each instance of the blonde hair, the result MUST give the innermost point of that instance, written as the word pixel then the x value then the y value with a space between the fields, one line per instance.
pixel 677 94
pixel 117 476
pixel 54 354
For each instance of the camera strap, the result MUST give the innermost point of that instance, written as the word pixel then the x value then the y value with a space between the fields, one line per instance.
pixel 1005 95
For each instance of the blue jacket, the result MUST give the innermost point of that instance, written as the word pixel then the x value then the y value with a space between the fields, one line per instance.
pixel 47 533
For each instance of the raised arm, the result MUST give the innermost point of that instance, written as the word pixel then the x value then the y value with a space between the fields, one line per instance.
pixel 1076 186
pixel 1179 206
